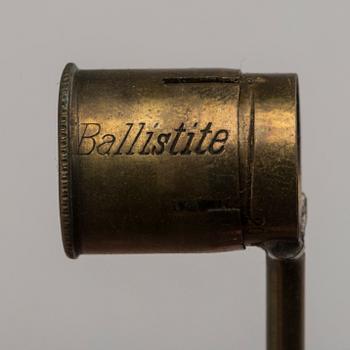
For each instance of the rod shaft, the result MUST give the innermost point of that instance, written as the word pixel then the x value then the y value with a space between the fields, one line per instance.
pixel 285 302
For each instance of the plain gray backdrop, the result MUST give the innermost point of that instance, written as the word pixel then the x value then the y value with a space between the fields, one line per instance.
pixel 165 302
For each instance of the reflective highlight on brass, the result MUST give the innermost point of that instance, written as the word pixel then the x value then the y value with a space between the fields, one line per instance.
pixel 177 160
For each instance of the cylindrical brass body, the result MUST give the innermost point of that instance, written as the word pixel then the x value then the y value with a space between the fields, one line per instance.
pixel 177 160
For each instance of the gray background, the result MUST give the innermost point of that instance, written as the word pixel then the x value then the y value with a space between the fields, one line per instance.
pixel 165 301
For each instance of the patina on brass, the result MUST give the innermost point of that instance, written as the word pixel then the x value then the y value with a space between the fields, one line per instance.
pixel 177 160
pixel 199 160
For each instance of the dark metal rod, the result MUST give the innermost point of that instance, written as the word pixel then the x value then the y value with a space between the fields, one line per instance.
pixel 285 302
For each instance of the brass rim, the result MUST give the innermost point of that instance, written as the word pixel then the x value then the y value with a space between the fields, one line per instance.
pixel 64 150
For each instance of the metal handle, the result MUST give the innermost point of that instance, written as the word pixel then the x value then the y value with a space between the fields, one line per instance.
pixel 285 302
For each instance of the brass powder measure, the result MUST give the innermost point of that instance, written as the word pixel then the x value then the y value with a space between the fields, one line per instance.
pixel 198 160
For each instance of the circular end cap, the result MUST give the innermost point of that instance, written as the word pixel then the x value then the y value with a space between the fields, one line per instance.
pixel 274 160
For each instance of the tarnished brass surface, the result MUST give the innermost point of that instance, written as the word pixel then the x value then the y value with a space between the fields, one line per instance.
pixel 177 160
pixel 285 302
pixel 187 161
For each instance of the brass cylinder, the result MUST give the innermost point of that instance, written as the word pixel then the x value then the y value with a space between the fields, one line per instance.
pixel 195 160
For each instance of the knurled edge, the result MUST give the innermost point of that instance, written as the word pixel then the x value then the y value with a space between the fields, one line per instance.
pixel 64 159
